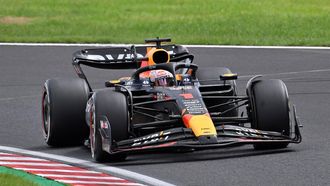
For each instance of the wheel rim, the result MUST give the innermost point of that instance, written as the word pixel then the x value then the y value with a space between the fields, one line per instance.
pixel 46 115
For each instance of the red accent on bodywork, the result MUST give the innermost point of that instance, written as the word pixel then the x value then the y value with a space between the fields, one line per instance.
pixel 187 96
pixel 144 64
pixel 145 74
pixel 168 97
pixel 186 119
pixel 153 146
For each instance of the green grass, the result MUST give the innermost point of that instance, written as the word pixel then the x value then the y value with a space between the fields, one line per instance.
pixel 12 177
pixel 238 22
pixel 12 180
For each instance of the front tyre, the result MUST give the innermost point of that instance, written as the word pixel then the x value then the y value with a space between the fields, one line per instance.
pixel 111 106
pixel 270 110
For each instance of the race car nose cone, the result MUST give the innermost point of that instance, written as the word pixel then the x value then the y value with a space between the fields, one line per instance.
pixel 211 139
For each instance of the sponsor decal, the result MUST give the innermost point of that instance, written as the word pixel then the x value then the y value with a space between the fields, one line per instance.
pixel 161 96
pixel 157 137
pixel 95 57
pixel 186 79
pixel 193 106
pixel 119 57
pixel 104 124
pixel 145 82
pixel 123 56
pixel 249 132
pixel 181 88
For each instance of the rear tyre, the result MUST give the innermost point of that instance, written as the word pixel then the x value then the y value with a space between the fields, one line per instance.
pixel 63 111
pixel 210 77
pixel 270 110
pixel 112 105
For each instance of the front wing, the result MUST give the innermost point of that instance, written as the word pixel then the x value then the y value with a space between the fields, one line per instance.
pixel 183 138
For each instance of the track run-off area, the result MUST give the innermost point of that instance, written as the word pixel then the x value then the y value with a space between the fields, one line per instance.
pixel 306 72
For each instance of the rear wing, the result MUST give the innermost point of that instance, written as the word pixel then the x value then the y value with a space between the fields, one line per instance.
pixel 122 57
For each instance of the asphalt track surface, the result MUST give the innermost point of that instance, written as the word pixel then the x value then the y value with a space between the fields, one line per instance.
pixel 305 72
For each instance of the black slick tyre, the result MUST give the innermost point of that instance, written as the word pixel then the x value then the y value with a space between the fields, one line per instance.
pixel 113 106
pixel 270 110
pixel 63 111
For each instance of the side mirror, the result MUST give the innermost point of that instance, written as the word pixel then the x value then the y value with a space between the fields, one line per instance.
pixel 113 83
pixel 229 76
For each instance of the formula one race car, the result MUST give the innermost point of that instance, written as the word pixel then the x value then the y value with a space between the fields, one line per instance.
pixel 168 103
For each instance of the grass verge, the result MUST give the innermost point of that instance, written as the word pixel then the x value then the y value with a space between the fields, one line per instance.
pixel 239 22
pixel 12 177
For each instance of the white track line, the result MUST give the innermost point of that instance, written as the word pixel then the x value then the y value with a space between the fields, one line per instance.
pixel 98 182
pixel 20 97
pixel 88 164
pixel 59 170
pixel 189 46
pixel 73 176
pixel 289 73
pixel 21 159
pixel 259 47
pixel 240 77
pixel 34 164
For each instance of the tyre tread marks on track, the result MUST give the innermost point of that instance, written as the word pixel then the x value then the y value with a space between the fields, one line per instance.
pixel 60 172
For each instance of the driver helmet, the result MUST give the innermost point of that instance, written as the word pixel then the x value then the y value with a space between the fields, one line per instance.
pixel 161 78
